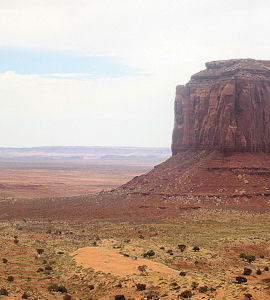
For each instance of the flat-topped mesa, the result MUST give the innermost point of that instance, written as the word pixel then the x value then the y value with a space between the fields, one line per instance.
pixel 225 107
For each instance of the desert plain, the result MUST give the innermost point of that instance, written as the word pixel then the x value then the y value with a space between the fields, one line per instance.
pixel 195 253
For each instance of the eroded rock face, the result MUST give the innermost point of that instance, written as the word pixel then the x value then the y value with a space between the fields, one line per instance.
pixel 225 107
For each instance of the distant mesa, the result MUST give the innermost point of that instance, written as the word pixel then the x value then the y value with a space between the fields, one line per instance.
pixel 225 107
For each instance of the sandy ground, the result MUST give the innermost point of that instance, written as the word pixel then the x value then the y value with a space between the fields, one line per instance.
pixel 111 261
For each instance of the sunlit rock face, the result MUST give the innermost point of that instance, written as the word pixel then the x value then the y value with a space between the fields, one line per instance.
pixel 225 107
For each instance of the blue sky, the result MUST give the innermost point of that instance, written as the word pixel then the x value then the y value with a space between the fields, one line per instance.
pixel 34 61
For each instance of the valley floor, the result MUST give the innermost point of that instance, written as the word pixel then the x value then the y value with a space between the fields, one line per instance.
pixel 49 259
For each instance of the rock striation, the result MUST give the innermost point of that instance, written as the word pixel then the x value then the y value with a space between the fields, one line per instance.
pixel 225 107
pixel 221 154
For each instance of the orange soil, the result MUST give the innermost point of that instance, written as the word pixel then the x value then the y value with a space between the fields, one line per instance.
pixel 111 261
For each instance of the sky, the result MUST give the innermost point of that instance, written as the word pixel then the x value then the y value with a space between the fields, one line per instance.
pixel 104 72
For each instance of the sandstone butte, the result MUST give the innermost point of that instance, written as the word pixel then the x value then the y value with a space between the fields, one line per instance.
pixel 220 154
pixel 225 107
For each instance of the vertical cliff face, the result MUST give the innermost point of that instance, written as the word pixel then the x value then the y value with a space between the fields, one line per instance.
pixel 225 107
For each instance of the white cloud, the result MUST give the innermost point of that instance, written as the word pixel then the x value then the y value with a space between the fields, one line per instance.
pixel 102 111
pixel 169 39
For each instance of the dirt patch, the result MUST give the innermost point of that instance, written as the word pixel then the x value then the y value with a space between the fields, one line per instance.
pixel 111 261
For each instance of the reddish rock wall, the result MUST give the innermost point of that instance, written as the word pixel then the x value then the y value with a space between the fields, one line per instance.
pixel 225 107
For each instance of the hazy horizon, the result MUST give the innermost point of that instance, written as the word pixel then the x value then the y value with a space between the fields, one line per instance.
pixel 104 73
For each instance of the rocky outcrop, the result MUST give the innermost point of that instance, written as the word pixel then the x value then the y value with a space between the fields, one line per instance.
pixel 225 107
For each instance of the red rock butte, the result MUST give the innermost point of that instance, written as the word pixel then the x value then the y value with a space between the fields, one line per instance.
pixel 220 147
pixel 225 107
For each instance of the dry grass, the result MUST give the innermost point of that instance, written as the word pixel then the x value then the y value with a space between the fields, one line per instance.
pixel 221 236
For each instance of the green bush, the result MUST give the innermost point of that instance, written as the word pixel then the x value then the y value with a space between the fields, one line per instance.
pixel 266 268
pixel 141 286
pixel 182 247
pixel 149 253
pixel 40 251
pixel 196 249
pixel 4 260
pixel 24 296
pixel 240 279
pixel 67 297
pixel 3 292
pixel 182 273
pixel 40 270
pixel 243 255
pixel 120 297
pixel 10 278
pixel 186 294
pixel 259 272
pixel 250 258
pixel 55 288
pixel 203 289
pixel 194 285
pixel 247 271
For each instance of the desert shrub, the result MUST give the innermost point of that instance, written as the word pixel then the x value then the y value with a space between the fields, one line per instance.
pixel 240 279
pixel 170 251
pixel 141 286
pixel 55 288
pixel 67 297
pixel 49 231
pixel 162 248
pixel 266 269
pixel 203 289
pixel 120 297
pixel 127 241
pixel 182 273
pixel 153 295
pixel 4 260
pixel 186 294
pixel 119 285
pixel 250 258
pixel 61 289
pixel 259 272
pixel 24 296
pixel 40 270
pixel 247 271
pixel 10 278
pixel 182 247
pixel 91 286
pixel 60 252
pixel 16 241
pixel 3 292
pixel 248 296
pixel 194 285
pixel 149 253
pixel 142 269
pixel 174 284
pixel 243 255
pixel 196 262
pixel 141 237
pixel 261 256
pixel 40 251
pixel 196 249
pixel 48 268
